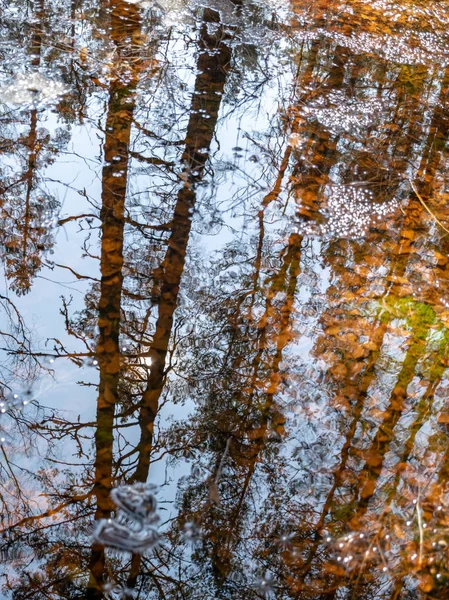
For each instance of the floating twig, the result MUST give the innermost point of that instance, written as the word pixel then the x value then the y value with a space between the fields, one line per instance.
pixel 418 195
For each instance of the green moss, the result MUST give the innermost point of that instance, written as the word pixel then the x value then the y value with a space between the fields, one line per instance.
pixel 423 323
pixel 419 317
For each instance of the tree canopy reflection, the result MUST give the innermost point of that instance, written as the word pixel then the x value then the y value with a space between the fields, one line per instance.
pixel 224 252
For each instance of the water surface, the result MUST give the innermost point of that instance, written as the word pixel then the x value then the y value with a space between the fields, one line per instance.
pixel 224 251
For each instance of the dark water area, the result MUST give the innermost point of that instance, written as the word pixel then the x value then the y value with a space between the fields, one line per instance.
pixel 224 308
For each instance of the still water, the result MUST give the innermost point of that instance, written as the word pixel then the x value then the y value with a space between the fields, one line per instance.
pixel 224 324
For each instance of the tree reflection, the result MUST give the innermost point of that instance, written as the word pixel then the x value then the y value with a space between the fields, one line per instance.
pixel 277 348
